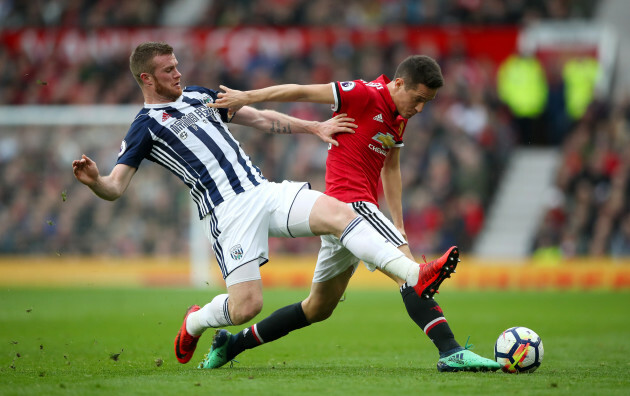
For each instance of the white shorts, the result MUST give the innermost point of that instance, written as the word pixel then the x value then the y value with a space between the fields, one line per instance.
pixel 334 258
pixel 239 228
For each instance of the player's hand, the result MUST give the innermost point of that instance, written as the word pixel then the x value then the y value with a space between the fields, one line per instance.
pixel 85 170
pixel 231 99
pixel 340 123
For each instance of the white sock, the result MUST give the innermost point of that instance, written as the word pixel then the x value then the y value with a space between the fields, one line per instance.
pixel 370 246
pixel 401 266
pixel 214 314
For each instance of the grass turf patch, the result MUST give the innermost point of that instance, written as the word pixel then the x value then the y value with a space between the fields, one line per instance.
pixel 105 341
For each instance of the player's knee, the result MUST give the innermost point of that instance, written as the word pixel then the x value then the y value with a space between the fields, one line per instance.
pixel 338 216
pixel 246 310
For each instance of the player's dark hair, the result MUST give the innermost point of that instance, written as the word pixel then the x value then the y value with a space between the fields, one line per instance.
pixel 420 69
pixel 141 59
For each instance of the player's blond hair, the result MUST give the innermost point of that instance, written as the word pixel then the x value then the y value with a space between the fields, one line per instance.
pixel 141 59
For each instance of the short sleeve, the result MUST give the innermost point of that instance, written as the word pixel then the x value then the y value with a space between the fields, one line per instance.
pixel 136 145
pixel 350 96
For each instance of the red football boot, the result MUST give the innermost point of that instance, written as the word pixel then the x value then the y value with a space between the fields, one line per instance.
pixel 433 273
pixel 185 343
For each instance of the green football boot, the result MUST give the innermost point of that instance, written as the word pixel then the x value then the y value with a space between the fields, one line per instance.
pixel 218 353
pixel 465 360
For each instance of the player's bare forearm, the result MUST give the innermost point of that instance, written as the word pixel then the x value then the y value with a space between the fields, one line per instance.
pixel 392 187
pixel 109 187
pixel 316 93
pixel 271 121
pixel 234 99
pixel 282 124
pixel 106 190
pixel 393 197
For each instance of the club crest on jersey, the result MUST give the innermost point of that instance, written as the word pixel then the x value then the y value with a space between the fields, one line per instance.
pixel 386 140
pixel 347 86
pixel 123 148
pixel 214 113
pixel 183 135
pixel 236 252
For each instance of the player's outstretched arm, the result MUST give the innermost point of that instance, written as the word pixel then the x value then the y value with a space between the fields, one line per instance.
pixel 392 188
pixel 273 122
pixel 108 187
pixel 233 99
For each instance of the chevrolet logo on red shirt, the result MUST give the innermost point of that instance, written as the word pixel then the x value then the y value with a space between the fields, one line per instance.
pixel 386 140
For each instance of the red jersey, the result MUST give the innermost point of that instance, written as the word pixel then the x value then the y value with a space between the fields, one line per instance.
pixel 353 169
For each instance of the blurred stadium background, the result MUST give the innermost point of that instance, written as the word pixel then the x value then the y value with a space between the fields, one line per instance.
pixel 523 160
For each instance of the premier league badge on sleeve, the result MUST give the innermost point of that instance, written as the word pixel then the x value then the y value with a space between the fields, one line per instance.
pixel 123 147
pixel 347 85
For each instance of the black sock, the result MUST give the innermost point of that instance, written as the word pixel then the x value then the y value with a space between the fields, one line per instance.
pixel 429 317
pixel 274 326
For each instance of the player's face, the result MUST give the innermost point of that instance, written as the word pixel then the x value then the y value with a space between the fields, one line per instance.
pixel 166 78
pixel 410 101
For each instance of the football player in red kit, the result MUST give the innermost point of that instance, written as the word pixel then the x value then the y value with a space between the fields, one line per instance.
pixel 354 166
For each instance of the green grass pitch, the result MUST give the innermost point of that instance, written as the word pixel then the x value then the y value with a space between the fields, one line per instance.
pixel 120 341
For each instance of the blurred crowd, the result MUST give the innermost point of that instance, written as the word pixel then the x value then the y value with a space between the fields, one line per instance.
pixel 46 211
pixel 589 211
pixel 111 13
pixel 454 152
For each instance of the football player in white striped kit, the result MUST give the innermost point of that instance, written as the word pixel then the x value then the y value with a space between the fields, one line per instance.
pixel 239 208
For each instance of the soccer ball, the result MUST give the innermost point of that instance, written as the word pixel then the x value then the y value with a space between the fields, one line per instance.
pixel 519 350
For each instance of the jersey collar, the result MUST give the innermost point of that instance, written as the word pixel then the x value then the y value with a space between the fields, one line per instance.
pixel 160 105
pixel 386 95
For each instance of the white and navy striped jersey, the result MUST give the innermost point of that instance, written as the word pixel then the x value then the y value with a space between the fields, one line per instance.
pixel 193 142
